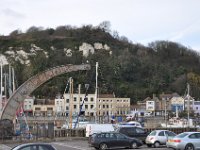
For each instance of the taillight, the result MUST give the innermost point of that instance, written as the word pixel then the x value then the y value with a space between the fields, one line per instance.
pixel 176 141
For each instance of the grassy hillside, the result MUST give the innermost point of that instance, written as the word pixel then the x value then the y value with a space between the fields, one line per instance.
pixel 128 70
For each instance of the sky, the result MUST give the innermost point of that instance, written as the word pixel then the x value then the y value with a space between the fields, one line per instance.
pixel 141 21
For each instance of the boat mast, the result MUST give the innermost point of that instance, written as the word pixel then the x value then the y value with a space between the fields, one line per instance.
pixel 71 103
pixel 1 88
pixel 13 73
pixel 9 82
pixel 96 88
pixel 188 98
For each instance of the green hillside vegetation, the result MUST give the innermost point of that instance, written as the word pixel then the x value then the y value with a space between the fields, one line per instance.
pixel 133 70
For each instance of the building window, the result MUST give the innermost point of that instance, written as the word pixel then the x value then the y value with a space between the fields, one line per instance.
pixel 92 106
pixel 67 108
pixel 86 106
pixel 37 108
pixel 103 106
pixel 196 108
pixel 74 106
pixel 67 100
pixel 107 106
pixel 75 99
pixel 81 99
pixel 86 99
pixel 91 99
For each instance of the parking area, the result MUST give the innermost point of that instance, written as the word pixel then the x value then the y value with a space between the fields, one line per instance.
pixel 75 145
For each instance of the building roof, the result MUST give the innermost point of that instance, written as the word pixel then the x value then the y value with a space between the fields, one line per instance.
pixel 106 96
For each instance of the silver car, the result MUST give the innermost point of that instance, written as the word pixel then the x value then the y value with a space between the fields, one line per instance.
pixel 34 146
pixel 158 137
pixel 185 141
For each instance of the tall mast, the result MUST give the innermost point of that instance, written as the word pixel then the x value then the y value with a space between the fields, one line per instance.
pixel 13 80
pixel 1 88
pixel 9 82
pixel 96 88
pixel 71 104
pixel 188 98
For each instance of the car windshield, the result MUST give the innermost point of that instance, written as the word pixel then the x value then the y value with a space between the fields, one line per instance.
pixel 182 135
pixel 153 133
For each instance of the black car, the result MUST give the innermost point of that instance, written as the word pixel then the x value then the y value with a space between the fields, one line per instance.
pixel 132 131
pixel 34 146
pixel 105 140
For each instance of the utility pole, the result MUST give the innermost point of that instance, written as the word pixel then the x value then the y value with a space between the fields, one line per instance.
pixel 71 103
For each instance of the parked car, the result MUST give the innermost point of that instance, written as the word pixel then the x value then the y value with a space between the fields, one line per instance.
pixel 132 131
pixel 158 137
pixel 185 141
pixel 34 146
pixel 106 140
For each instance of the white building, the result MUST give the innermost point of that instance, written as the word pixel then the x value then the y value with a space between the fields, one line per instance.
pixel 106 104
pixel 150 106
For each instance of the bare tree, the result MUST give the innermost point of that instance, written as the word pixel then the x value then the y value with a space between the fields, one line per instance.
pixel 105 26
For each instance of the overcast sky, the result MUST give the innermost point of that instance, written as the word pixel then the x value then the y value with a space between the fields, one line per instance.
pixel 141 21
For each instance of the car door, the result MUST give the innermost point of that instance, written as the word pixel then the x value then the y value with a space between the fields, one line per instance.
pixel 162 138
pixel 110 139
pixel 122 140
pixel 195 140
pixel 140 133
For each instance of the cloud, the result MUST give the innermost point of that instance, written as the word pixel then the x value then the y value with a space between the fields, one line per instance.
pixel 12 13
pixel 192 28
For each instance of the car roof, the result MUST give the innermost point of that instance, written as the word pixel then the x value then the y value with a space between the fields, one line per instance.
pixel 36 144
pixel 29 144
pixel 191 132
pixel 162 130
pixel 106 132
pixel 128 126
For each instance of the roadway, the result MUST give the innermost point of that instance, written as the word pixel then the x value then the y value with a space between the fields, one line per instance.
pixel 75 145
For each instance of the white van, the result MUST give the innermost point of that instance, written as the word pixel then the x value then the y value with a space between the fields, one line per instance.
pixel 134 123
pixel 95 128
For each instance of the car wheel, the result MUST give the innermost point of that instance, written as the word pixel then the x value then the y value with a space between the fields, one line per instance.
pixel 134 145
pixel 103 146
pixel 189 147
pixel 149 145
pixel 156 144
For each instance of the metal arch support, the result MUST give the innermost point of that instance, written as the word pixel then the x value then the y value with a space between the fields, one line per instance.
pixel 34 82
